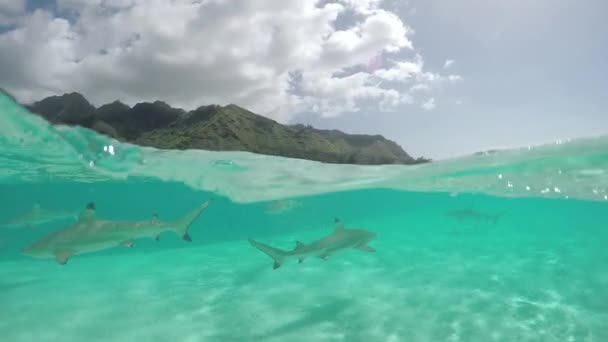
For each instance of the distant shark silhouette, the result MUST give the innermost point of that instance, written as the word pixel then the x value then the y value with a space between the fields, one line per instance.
pixel 39 216
pixel 90 234
pixel 470 214
pixel 341 239
pixel 280 206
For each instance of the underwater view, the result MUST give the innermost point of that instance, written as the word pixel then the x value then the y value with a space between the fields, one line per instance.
pixel 107 241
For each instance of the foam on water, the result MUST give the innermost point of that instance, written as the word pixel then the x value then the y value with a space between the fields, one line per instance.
pixel 537 273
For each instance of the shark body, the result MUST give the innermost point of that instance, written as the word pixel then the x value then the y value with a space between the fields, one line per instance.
pixel 90 234
pixel 39 216
pixel 341 239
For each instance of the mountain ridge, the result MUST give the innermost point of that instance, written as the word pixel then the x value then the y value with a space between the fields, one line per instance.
pixel 219 128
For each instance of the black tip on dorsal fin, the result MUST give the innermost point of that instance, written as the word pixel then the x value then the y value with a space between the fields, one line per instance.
pixel 91 206
pixel 338 224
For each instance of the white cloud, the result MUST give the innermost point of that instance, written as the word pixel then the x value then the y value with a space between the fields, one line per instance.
pixel 420 87
pixel 12 6
pixel 277 58
pixel 454 78
pixel 362 6
pixel 429 105
pixel 412 72
pixel 11 11
pixel 401 71
pixel 448 63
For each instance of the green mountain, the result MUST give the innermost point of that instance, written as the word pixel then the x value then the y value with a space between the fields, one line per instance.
pixel 217 128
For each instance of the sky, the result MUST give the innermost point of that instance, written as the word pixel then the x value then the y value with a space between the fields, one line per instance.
pixel 440 77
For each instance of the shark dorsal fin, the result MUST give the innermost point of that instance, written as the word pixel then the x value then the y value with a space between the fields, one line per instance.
pixel 299 244
pixel 88 213
pixel 36 206
pixel 155 219
pixel 338 225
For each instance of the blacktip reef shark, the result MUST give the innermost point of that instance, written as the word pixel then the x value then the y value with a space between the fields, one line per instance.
pixel 39 216
pixel 90 234
pixel 341 239
pixel 470 214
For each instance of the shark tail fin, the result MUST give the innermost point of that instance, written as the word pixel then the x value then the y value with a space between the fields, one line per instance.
pixel 183 224
pixel 276 254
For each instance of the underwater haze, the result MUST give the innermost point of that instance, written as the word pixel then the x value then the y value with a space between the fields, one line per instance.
pixel 498 246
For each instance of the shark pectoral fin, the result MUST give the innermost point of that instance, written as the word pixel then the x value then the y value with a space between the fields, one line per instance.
pixel 324 257
pixel 157 238
pixel 300 260
pixel 128 244
pixel 276 265
pixel 366 248
pixel 187 237
pixel 62 257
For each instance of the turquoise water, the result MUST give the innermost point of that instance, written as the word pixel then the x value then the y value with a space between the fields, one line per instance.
pixel 525 261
